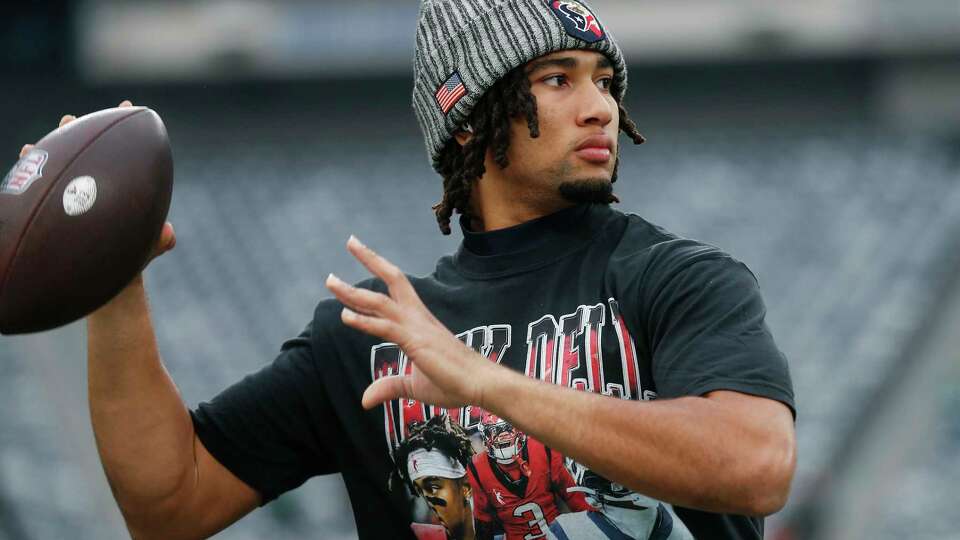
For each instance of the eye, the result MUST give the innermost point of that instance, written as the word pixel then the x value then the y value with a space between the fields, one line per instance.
pixel 555 80
pixel 605 83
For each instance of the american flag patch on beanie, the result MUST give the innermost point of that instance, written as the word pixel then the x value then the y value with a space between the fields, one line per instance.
pixel 450 92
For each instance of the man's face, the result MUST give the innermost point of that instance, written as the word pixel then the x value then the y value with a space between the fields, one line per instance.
pixel 576 153
pixel 447 497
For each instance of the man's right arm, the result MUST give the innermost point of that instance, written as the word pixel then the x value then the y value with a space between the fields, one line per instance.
pixel 164 480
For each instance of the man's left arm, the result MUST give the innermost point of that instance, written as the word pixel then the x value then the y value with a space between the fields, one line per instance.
pixel 725 452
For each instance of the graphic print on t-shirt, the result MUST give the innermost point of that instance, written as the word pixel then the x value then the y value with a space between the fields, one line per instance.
pixel 516 486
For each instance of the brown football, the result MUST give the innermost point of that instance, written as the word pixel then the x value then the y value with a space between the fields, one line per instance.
pixel 79 215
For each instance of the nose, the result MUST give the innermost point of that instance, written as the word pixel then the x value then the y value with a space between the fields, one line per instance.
pixel 596 108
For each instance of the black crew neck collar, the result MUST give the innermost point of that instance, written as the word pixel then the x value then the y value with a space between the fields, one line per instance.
pixel 531 244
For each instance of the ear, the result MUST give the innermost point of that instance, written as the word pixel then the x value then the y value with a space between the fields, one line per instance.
pixel 463 137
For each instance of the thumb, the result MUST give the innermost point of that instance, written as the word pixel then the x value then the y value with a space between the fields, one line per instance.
pixel 166 242
pixel 168 238
pixel 385 389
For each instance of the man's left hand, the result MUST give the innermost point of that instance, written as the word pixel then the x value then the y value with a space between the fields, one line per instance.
pixel 445 371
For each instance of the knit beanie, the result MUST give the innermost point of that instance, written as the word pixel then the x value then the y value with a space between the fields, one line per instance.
pixel 465 46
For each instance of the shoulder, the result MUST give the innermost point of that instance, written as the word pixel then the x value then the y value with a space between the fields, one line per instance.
pixel 480 464
pixel 650 243
pixel 536 446
pixel 652 255
pixel 426 285
pixel 326 329
pixel 481 474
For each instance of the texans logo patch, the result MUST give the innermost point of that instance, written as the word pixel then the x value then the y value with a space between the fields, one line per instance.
pixel 577 20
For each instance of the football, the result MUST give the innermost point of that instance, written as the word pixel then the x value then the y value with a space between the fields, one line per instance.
pixel 80 213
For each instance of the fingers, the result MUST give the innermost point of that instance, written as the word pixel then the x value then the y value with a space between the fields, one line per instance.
pixel 373 325
pixel 66 119
pixel 386 389
pixel 396 281
pixel 362 300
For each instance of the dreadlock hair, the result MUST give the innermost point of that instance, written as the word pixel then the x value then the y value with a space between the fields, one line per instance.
pixel 439 432
pixel 460 166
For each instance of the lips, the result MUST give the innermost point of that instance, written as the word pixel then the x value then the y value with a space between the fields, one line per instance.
pixel 595 148
pixel 596 141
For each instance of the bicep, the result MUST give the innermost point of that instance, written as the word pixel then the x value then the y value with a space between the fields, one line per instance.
pixel 219 498
pixel 210 500
pixel 275 428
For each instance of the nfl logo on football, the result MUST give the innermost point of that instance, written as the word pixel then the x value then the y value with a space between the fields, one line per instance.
pixel 25 172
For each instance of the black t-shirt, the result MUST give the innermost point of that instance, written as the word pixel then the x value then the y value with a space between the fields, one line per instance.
pixel 587 297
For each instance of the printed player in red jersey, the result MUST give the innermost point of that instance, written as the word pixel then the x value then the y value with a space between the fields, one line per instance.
pixel 517 483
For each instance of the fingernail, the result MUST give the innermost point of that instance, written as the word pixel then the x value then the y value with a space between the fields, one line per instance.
pixel 349 314
pixel 333 279
pixel 356 241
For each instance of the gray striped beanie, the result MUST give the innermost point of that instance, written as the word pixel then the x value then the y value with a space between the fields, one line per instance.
pixel 465 46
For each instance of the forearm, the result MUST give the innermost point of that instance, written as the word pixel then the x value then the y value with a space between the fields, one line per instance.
pixel 143 430
pixel 693 451
pixel 726 452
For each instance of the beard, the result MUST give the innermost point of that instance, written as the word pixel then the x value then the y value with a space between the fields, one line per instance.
pixel 586 191
pixel 590 190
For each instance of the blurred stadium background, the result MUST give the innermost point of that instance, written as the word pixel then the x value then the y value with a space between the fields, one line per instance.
pixel 818 141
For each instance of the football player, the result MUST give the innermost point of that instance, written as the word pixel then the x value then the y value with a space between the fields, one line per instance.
pixel 432 462
pixel 520 103
pixel 519 482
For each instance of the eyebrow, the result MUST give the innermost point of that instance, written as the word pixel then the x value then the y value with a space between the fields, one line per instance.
pixel 564 62
pixel 567 62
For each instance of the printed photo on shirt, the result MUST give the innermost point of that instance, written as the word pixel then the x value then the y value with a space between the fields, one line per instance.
pixel 473 474
pixel 504 485
pixel 520 486
pixel 432 461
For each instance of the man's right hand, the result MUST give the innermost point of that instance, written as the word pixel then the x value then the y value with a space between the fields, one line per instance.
pixel 168 238
pixel 166 483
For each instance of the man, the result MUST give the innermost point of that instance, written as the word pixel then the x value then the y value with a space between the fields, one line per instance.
pixel 432 462
pixel 558 313
pixel 519 482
